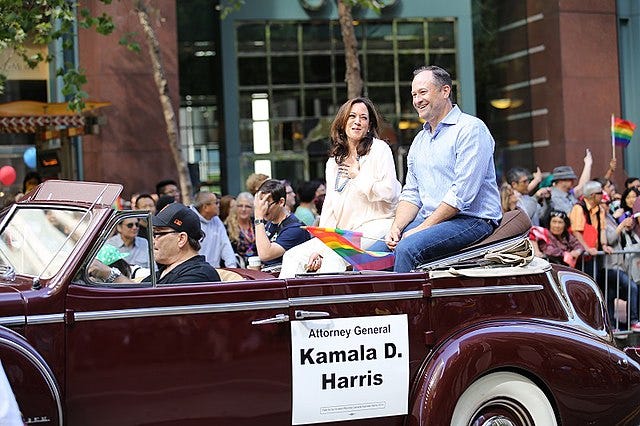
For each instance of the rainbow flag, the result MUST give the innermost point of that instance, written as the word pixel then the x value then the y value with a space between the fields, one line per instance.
pixel 622 131
pixel 347 245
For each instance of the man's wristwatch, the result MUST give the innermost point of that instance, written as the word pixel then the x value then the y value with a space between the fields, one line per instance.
pixel 113 274
pixel 257 222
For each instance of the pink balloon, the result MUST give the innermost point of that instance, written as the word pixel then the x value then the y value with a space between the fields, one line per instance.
pixel 7 175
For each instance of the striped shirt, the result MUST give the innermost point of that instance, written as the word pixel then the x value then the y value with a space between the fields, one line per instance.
pixel 453 164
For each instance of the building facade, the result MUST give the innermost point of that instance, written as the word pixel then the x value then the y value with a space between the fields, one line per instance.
pixel 257 90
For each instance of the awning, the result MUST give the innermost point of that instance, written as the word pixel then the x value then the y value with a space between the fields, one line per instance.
pixel 34 117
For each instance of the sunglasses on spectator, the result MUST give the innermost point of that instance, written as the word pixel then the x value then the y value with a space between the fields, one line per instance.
pixel 131 225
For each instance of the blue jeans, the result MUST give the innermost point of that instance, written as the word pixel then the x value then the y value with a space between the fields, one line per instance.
pixel 437 241
pixel 626 283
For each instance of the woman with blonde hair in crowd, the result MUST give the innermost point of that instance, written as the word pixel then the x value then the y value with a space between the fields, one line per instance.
pixel 240 229
pixel 362 188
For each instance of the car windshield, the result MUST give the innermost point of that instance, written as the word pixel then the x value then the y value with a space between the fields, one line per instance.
pixel 39 241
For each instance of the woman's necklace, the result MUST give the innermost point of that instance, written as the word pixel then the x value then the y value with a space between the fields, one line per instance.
pixel 342 178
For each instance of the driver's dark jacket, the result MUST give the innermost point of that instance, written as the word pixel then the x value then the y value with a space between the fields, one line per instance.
pixel 193 270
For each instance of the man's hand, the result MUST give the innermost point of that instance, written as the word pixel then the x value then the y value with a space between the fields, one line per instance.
pixel 99 270
pixel 613 163
pixel 588 158
pixel 260 205
pixel 393 237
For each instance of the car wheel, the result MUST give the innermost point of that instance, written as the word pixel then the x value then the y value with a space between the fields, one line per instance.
pixel 503 399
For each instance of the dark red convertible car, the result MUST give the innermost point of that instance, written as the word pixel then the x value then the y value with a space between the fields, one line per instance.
pixel 490 336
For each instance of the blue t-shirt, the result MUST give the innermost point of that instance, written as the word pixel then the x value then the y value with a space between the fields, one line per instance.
pixel 286 234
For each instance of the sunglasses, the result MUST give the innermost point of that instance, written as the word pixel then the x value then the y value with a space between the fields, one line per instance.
pixel 160 234
pixel 131 225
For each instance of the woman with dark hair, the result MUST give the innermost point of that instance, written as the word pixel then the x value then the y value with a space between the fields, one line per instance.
pixel 362 189
pixel 306 210
pixel 629 197
pixel 560 245
pixel 227 203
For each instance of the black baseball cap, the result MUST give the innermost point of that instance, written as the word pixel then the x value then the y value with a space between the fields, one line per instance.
pixel 180 218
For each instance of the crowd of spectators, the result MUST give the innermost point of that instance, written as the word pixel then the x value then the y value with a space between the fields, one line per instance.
pixel 584 222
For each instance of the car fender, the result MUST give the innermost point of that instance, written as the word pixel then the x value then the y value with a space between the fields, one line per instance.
pixel 570 367
pixel 31 380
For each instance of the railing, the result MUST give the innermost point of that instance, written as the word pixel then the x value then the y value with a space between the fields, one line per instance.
pixel 612 272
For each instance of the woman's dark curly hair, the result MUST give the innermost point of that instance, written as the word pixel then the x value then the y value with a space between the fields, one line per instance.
pixel 339 144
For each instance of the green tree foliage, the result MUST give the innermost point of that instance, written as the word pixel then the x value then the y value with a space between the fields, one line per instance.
pixel 39 23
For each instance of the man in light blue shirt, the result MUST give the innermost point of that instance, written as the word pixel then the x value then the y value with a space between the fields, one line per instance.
pixel 450 199
pixel 215 245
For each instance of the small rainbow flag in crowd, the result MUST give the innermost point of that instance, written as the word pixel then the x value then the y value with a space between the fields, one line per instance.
pixel 347 245
pixel 621 131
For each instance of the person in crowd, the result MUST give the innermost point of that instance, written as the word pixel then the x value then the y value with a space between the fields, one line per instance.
pixel 537 206
pixel 508 198
pixel 306 210
pixel 588 220
pixel 562 197
pixel 30 181
pixel 276 229
pixel 227 202
pixel 292 197
pixel 127 240
pixel 215 245
pixel 318 203
pixel 615 279
pixel 163 201
pixel 169 187
pixel 629 197
pixel 632 182
pixel 254 181
pixel 176 242
pixel 112 257
pixel 145 202
pixel 564 191
pixel 362 190
pixel 240 228
pixel 450 199
pixel 561 245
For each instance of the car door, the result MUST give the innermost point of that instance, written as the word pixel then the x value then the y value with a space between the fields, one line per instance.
pixel 357 342
pixel 214 354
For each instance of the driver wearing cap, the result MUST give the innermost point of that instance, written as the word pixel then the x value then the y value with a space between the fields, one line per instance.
pixel 176 241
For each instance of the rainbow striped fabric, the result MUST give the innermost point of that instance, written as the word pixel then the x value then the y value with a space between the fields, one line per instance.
pixel 622 131
pixel 347 245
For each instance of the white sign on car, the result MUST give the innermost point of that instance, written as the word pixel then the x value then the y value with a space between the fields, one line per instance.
pixel 349 368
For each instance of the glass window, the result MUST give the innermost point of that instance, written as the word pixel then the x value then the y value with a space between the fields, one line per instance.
pixel 441 35
pixel 286 103
pixel 285 70
pixel 384 98
pixel 380 36
pixel 409 62
pixel 410 35
pixel 252 71
pixel 39 242
pixel 446 61
pixel 284 37
pixel 380 67
pixel 251 37
pixel 318 102
pixel 317 69
pixel 316 36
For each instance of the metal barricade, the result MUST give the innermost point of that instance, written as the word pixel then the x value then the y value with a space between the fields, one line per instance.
pixel 615 279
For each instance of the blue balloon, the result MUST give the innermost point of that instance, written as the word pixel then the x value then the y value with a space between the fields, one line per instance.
pixel 29 157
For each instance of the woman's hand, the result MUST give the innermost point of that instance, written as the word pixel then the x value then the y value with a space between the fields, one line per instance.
pixel 349 169
pixel 314 263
